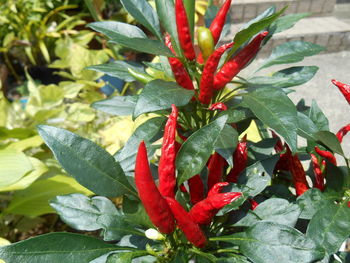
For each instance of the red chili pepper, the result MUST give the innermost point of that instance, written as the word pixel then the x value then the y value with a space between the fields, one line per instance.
pixel 166 168
pixel 196 188
pixel 192 231
pixel 342 132
pixel 319 180
pixel 183 30
pixel 345 89
pixel 253 203
pixel 180 73
pixel 240 159
pixel 219 21
pixel 217 188
pixel 298 173
pixel 327 155
pixel 207 80
pixel 279 145
pixel 154 203
pixel 204 211
pixel 216 167
pixel 238 62
pixel 218 106
pixel 282 164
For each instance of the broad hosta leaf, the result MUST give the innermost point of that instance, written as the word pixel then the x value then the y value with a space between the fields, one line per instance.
pixel 310 202
pixel 144 13
pixel 197 149
pixel 118 105
pixel 318 117
pixel 55 247
pixel 285 78
pixel 273 210
pixel 159 95
pixel 330 226
pixel 131 37
pixel 86 162
pixel 291 52
pixel 288 21
pixel 306 127
pixel 90 214
pixel 119 69
pixel 268 242
pixel 34 200
pixel 13 166
pixel 330 140
pixel 276 110
pixel 146 132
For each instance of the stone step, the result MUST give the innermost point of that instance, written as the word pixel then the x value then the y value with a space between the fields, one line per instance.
pixel 329 32
pixel 245 10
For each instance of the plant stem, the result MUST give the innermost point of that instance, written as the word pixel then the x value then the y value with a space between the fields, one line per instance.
pixel 190 10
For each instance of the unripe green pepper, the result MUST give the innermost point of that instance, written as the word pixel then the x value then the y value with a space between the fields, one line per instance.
pixel 143 78
pixel 205 42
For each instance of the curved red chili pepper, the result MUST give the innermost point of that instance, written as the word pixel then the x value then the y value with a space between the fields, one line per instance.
pixel 216 167
pixel 166 168
pixel 238 62
pixel 240 159
pixel 327 155
pixel 192 231
pixel 196 188
pixel 218 106
pixel 207 80
pixel 344 89
pixel 219 21
pixel 319 180
pixel 204 211
pixel 183 30
pixel 342 132
pixel 217 188
pixel 154 203
pixel 253 203
pixel 180 74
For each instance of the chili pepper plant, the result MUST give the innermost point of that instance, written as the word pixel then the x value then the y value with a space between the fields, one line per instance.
pixel 215 172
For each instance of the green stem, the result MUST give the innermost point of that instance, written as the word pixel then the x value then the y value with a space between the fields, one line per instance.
pixel 227 250
pixel 190 10
pixel 11 68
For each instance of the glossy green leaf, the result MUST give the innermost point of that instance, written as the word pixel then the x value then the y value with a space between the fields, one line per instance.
pixel 13 166
pixel 119 69
pixel 310 202
pixel 146 132
pixel 291 52
pixel 118 105
pixel 86 162
pixel 131 37
pixel 330 140
pixel 306 127
pixel 237 115
pixel 285 78
pixel 268 242
pixel 226 143
pixel 330 226
pixel 142 11
pixel 273 210
pixel 318 117
pixel 288 21
pixel 196 150
pixel 159 95
pixel 34 200
pixel 127 257
pixel 276 110
pixel 55 247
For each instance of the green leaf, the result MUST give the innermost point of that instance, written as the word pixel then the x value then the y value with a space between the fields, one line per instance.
pixel 146 132
pixel 86 162
pixel 276 110
pixel 330 140
pixel 91 214
pixel 131 37
pixel 291 52
pixel 34 200
pixel 119 69
pixel 285 78
pixel 159 95
pixel 247 33
pixel 237 115
pixel 196 150
pixel 288 21
pixel 268 242
pixel 318 117
pixel 143 12
pixel 226 143
pixel 310 202
pixel 273 210
pixel 55 247
pixel 330 226
pixel 13 166
pixel 306 127
pixel 127 257
pixel 118 105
